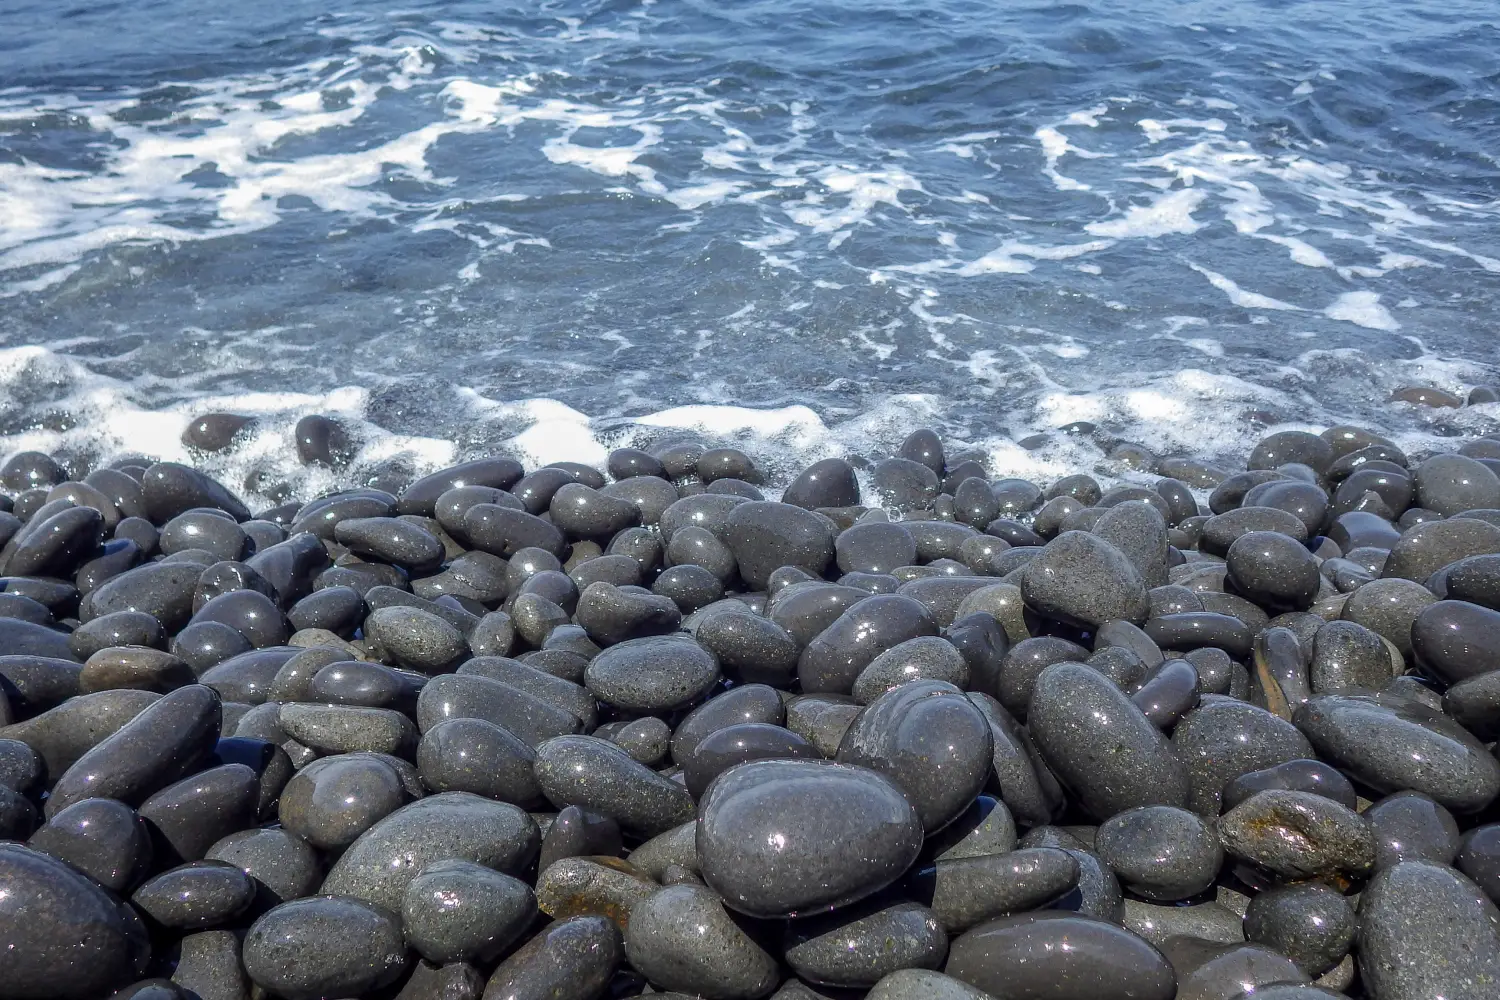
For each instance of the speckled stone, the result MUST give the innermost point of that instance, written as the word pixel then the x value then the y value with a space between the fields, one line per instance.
pixel 1449 484
pixel 1209 921
pixel 189 816
pixel 577 832
pixel 922 658
pixel 930 740
pixel 780 837
pixel 1082 580
pixel 65 937
pixel 1160 852
pixel 167 740
pixel 382 862
pixel 595 774
pixel 1388 608
pixel 1392 744
pixel 331 801
pixel 1414 911
pixel 1295 775
pixel 1100 745
pixel 415 638
pixel 194 896
pixel 340 729
pixel 750 649
pixel 725 748
pixel 1312 924
pixel 833 660
pixel 282 865
pixel 103 838
pixel 923 984
pixel 829 483
pixel 1409 826
pixel 1223 738
pixel 573 957
pixel 1221 972
pixel 1060 956
pixel 1274 570
pixel 324 946
pixel 682 938
pixel 474 696
pixel 862 945
pixel 652 675
pixel 742 705
pixel 766 536
pixel 1453 641
pixel 138 667
pixel 607 886
pixel 875 547
pixel 1298 835
pixel 457 911
pixel 122 628
pixel 963 892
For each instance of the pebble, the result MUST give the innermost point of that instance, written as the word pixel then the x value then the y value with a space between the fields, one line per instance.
pixel 922 658
pixel 1311 923
pixel 333 800
pixel 459 911
pixel 103 838
pixel 1298 835
pixel 928 739
pixel 1409 826
pixel 783 837
pixel 1161 853
pixel 606 886
pixel 1082 580
pixel 595 774
pixel 195 896
pixel 65 936
pixel 570 958
pixel 650 675
pixel 379 865
pixel 964 892
pixel 1060 956
pixel 1294 775
pixel 1224 738
pixel 1100 745
pixel 1219 972
pixel 834 659
pixel 829 483
pixel 1426 931
pixel 324 946
pixel 861 946
pixel 765 536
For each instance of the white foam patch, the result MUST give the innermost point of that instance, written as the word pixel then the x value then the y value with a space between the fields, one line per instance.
pixel 1239 296
pixel 1169 214
pixel 1363 309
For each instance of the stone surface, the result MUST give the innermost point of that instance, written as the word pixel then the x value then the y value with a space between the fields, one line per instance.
pixel 1059 956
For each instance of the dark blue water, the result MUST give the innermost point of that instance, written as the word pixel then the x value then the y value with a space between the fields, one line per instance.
pixel 803 226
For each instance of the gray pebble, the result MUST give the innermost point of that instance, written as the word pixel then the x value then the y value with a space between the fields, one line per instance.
pixel 1082 580
pixel 651 675
pixel 1223 738
pixel 1297 835
pixel 835 658
pixel 282 865
pixel 964 892
pixel 331 801
pixel 196 896
pixel 922 658
pixel 597 775
pixel 1209 921
pixel 324 946
pixel 338 729
pixel 103 838
pixel 570 958
pixel 474 696
pixel 862 945
pixel 415 638
pixel 1060 956
pixel 1409 826
pixel 461 911
pixel 1162 853
pixel 1414 911
pixel 1312 924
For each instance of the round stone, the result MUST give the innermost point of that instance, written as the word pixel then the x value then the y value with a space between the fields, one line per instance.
pixel 1160 852
pixel 324 946
pixel 459 911
pixel 1052 955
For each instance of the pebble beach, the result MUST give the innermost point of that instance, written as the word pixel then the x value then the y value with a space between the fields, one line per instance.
pixel 909 731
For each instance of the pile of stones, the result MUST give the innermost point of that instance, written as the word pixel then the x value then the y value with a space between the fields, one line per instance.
pixel 917 734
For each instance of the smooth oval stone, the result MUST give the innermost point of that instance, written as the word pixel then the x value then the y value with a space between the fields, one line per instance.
pixel 1311 924
pixel 724 748
pixel 1391 744
pixel 922 984
pixel 577 832
pixel 163 590
pixel 207 644
pixel 391 540
pixel 459 696
pixel 836 657
pixel 331 801
pixel 1100 745
pixel 688 587
pixel 1451 484
pixel 681 938
pixel 931 741
pixel 584 512
pixel 1473 704
pixel 56 544
pixel 861 946
pixel 1273 570
pixel 1426 548
pixel 1160 852
pixel 283 866
pixel 415 638
pixel 597 775
pixel 1409 826
pixel 541 685
pixel 1060 956
pixel 35 683
pixel 828 483
pixel 496 473
pixel 472 755
pixel 922 658
pixel 750 649
pixel 1195 630
pixel 1479 858
pixel 1388 608
pixel 197 895
pixel 570 958
pixel 1025 663
pixel 21 767
pixel 27 470
pixel 1414 911
pixel 215 431
pixel 167 740
pixel 1298 835
pixel 369 685
pixel 456 911
pixel 322 441
pixel 1455 640
pixel 782 837
pixel 168 489
pixel 123 628
pixel 652 675
pixel 1209 921
pixel 337 729
pixel 765 536
pixel 1223 738
pixel 324 946
pixel 1347 657
pixel 1169 693
pixel 208 531
pixel 382 862
pixel 743 705
pixel 875 548
pixel 61 735
pixel 1477 580
pixel 248 677
pixel 964 892
pixel 65 937
pixel 1294 775
pixel 103 838
pixel 1018 775
pixel 612 615
pixel 503 531
pixel 1081 579
pixel 139 667
pixel 1219 972
pixel 189 816
pixel 902 485
pixel 1222 530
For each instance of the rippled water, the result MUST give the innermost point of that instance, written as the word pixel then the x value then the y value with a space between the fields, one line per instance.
pixel 804 226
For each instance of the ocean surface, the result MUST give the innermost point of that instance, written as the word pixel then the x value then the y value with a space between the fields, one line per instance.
pixel 800 226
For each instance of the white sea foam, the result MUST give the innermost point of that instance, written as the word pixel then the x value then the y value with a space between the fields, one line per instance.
pixel 1363 309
